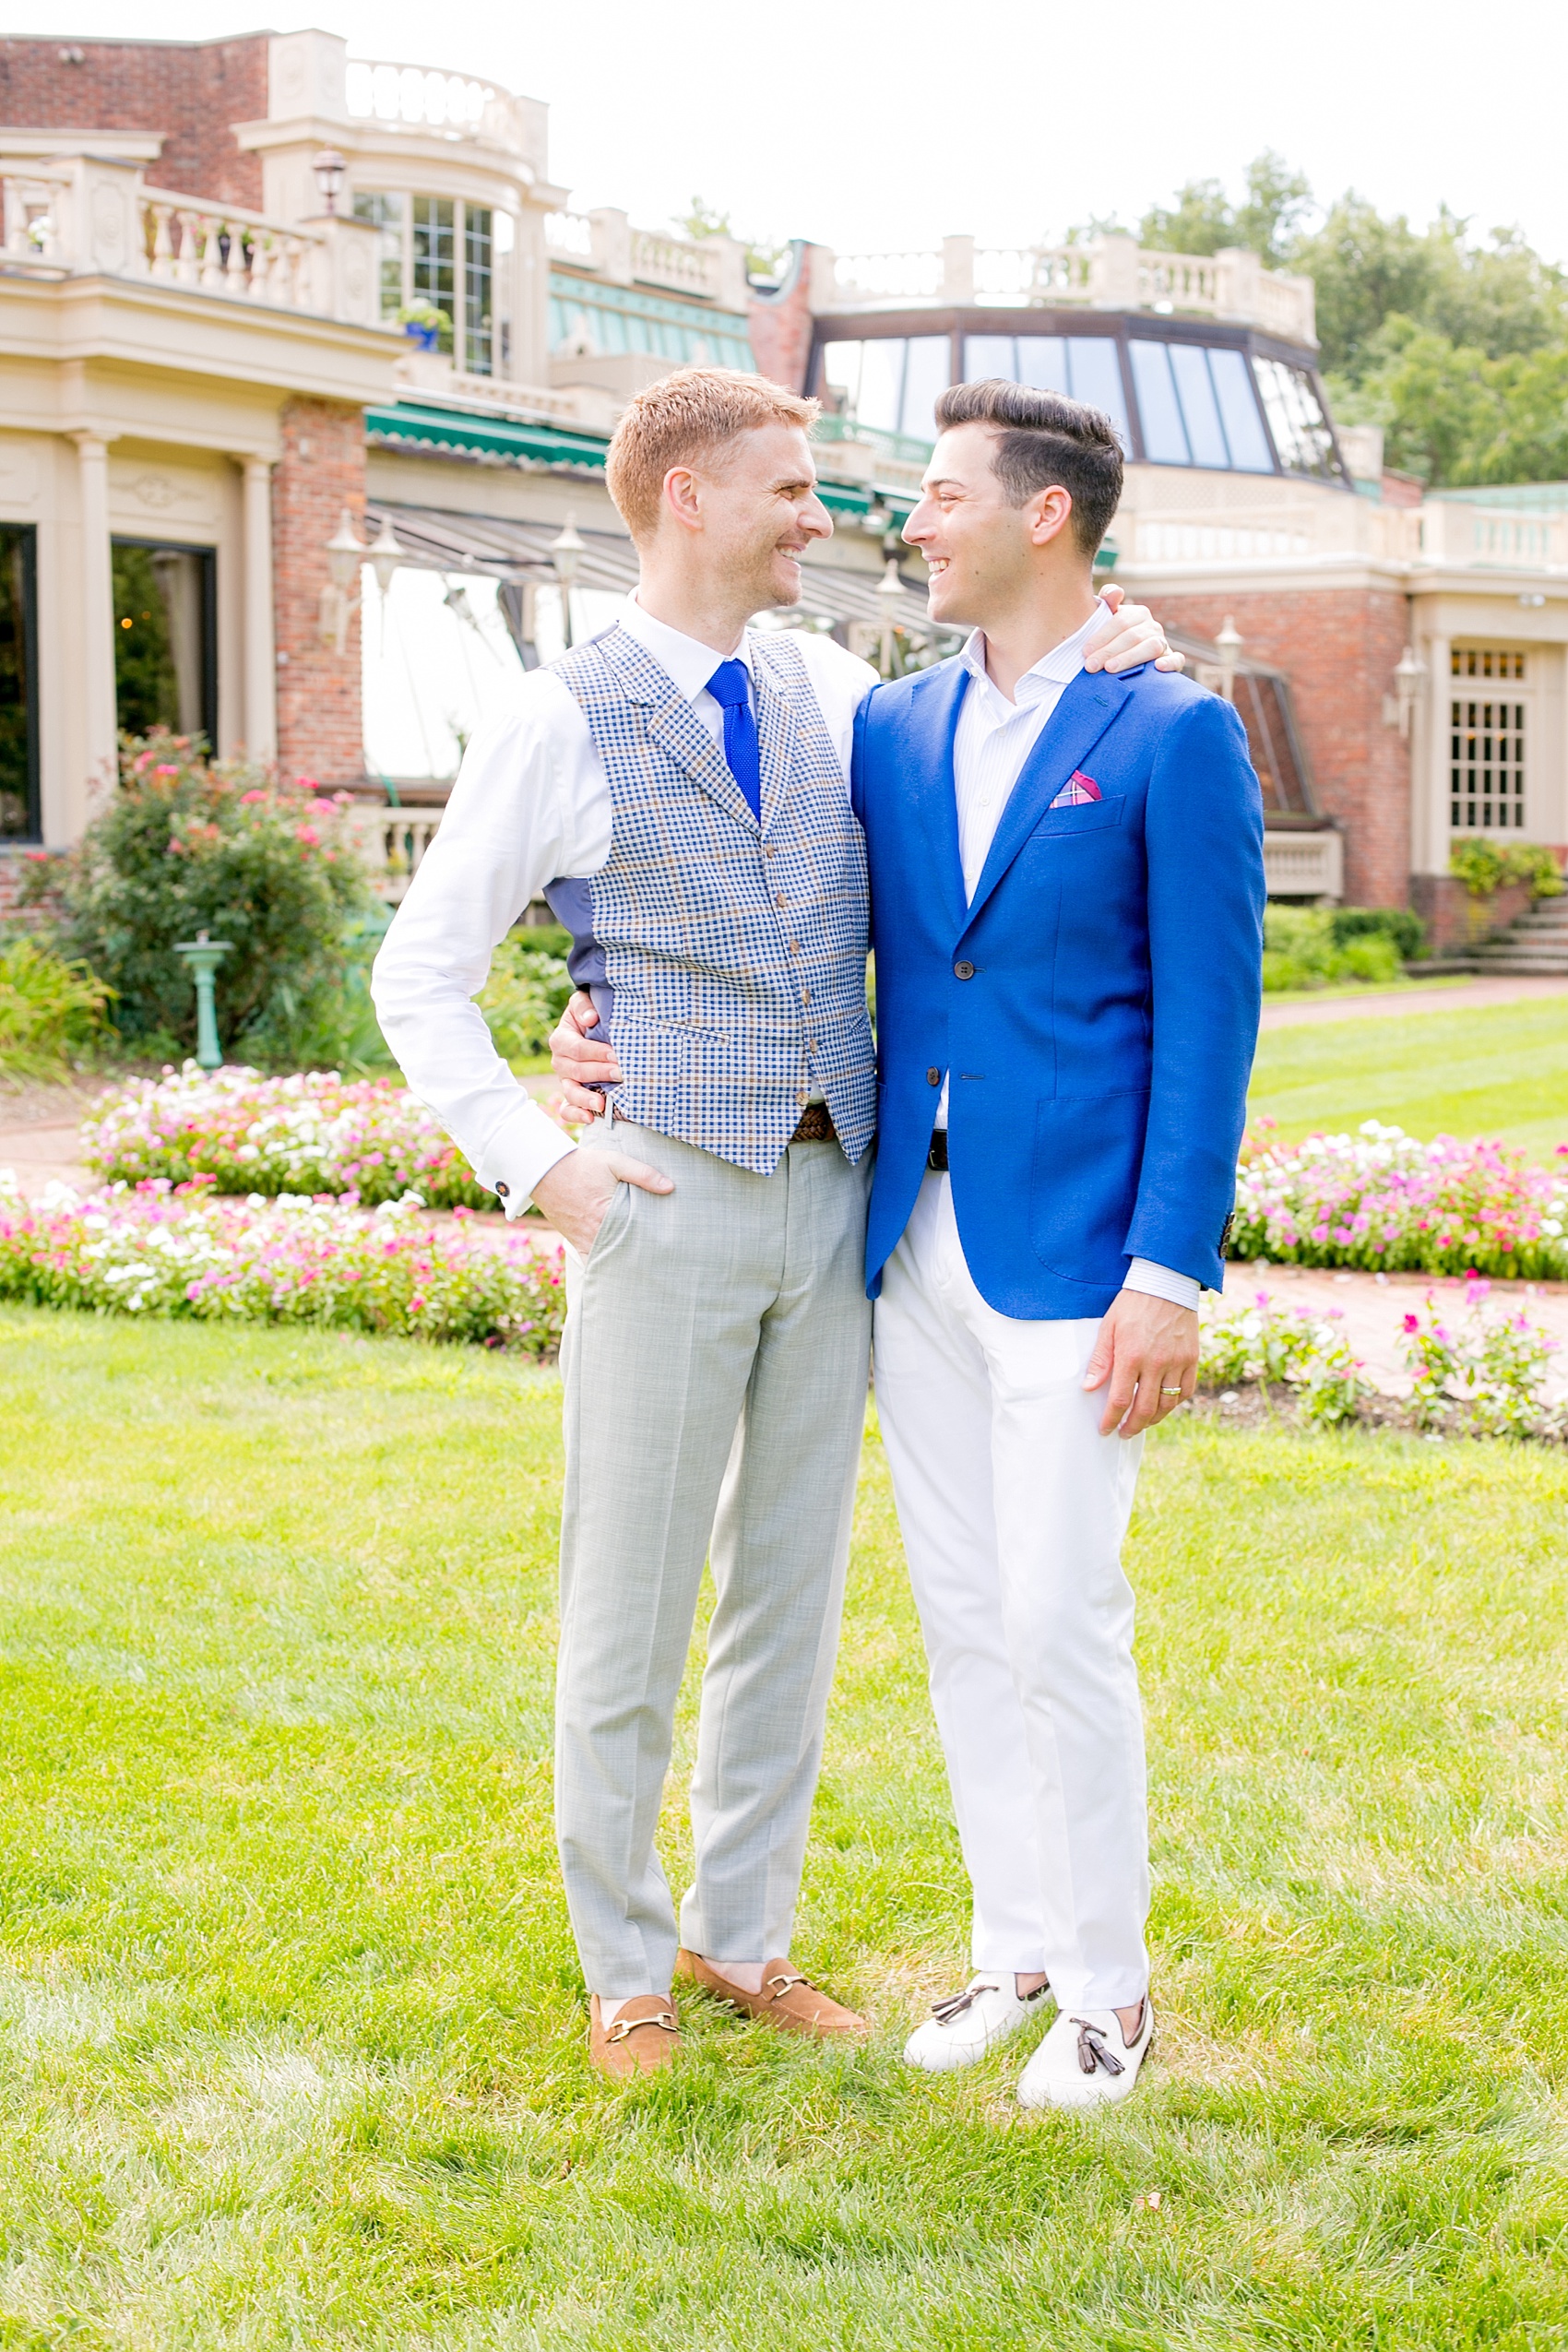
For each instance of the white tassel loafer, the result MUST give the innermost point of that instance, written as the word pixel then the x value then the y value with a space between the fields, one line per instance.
pixel 964 2026
pixel 1085 2060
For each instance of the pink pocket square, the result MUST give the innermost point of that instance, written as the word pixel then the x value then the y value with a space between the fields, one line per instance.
pixel 1077 790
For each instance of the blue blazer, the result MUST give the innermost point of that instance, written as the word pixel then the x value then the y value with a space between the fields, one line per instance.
pixel 1097 1004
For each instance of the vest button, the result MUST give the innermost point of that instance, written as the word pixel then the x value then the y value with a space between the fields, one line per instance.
pixel 933 1077
pixel 963 970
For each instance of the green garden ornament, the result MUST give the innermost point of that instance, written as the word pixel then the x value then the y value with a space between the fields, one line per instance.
pixel 203 955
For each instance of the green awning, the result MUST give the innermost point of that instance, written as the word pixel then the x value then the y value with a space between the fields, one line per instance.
pixel 415 426
pixel 509 440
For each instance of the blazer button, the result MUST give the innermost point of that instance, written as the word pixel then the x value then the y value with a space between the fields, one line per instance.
pixel 933 1077
pixel 963 971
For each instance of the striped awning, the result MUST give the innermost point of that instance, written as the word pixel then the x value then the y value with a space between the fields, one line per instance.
pixel 436 539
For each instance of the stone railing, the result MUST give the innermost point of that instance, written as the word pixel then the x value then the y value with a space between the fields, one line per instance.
pixel 1304 865
pixel 711 270
pixel 392 841
pixel 1498 537
pixel 379 92
pixel 82 215
pixel 1106 273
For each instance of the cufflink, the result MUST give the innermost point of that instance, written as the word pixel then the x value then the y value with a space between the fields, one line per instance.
pixel 1226 1230
pixel 503 1192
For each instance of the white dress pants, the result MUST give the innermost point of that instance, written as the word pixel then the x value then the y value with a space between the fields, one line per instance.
pixel 1013 1509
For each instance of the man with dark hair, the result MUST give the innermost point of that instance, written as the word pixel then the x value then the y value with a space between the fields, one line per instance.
pixel 1066 880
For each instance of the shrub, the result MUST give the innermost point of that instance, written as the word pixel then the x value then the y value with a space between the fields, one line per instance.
pixel 164 1251
pixel 186 844
pixel 1486 1376
pixel 1302 1350
pixel 1485 866
pixel 1401 924
pixel 1301 950
pixel 524 997
pixel 1380 1199
pixel 51 1009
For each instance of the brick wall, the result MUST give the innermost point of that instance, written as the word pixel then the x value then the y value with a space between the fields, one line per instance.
pixel 1457 922
pixel 188 92
pixel 781 330
pixel 320 728
pixel 1338 647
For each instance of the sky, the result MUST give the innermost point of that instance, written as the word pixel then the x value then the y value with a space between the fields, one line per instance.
pixel 871 128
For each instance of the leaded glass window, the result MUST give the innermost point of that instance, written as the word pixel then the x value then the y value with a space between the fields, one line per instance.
pixel 478 334
pixel 1487 743
pixel 1300 430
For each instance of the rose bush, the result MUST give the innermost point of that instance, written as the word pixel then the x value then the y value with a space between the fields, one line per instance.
pixel 1381 1200
pixel 165 1250
pixel 184 844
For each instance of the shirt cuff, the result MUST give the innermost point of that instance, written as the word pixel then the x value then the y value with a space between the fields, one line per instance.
pixel 1162 1282
pixel 523 1150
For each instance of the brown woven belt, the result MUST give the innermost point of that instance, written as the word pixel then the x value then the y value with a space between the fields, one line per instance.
pixel 815 1125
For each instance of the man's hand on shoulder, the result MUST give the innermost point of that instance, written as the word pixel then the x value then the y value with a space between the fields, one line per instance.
pixel 1132 637
pixel 1147 1350
pixel 579 1189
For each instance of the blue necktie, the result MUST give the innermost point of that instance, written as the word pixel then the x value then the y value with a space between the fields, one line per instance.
pixel 731 685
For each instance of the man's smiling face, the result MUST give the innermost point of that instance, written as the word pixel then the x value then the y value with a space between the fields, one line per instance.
pixel 976 545
pixel 760 511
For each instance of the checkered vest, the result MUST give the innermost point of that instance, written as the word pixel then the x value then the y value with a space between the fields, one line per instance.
pixel 735 954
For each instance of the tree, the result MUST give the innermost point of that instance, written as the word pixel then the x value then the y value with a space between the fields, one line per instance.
pixel 1203 220
pixel 765 257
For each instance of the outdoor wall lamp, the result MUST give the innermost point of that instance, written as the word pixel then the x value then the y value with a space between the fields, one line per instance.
pixel 1408 671
pixel 890 588
pixel 345 552
pixel 1227 645
pixel 330 167
pixel 566 553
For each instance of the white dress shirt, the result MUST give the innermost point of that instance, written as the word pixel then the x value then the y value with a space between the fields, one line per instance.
pixel 994 738
pixel 532 805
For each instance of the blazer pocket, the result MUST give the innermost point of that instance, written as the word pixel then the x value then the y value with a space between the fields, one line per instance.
pixel 1085 816
pixel 1084 1182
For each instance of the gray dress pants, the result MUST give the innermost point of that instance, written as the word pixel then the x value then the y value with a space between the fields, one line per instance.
pixel 715 1362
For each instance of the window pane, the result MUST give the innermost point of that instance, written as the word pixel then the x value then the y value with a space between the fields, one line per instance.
pixel 1300 430
pixel 1165 441
pixel 928 374
pixel 882 384
pixel 1095 375
pixel 161 656
pixel 386 212
pixel 1243 426
pixel 991 355
pixel 842 374
pixel 1189 365
pixel 1042 363
pixel 478 280
pixel 434 259
pixel 18 687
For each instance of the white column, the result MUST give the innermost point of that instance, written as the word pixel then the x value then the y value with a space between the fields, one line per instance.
pixel 261 665
pixel 1429 757
pixel 97 638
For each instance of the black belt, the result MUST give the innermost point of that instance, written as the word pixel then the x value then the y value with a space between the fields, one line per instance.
pixel 936 1158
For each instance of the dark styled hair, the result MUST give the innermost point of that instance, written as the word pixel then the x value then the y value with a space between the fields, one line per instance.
pixel 1045 442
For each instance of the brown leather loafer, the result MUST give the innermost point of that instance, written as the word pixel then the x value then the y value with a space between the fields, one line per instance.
pixel 787 1999
pixel 645 2037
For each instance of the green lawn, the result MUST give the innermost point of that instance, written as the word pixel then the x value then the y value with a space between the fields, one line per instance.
pixel 293 2037
pixel 1496 1070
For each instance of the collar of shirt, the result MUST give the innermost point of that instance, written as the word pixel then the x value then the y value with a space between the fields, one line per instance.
pixel 685 659
pixel 1050 675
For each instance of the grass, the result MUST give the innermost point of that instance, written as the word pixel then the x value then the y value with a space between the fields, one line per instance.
pixel 291 2026
pixel 1493 1070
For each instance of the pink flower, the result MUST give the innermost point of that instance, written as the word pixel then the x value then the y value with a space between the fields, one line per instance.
pixel 1412 1323
pixel 166 771
pixel 308 835
pixel 247 798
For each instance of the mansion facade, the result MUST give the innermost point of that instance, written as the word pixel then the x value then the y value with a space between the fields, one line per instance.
pixel 308 370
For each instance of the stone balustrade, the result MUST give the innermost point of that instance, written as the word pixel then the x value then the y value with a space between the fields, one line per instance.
pixel 79 215
pixel 1105 273
pixel 709 269
pixel 392 841
pixel 1504 538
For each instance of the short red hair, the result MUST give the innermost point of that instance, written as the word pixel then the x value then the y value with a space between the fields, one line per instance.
pixel 682 419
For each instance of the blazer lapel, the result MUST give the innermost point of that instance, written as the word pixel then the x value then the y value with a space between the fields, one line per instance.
pixel 930 726
pixel 674 725
pixel 1084 711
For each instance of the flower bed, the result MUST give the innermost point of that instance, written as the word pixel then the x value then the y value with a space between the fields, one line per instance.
pixel 315 1132
pixel 162 1250
pixel 1380 1199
